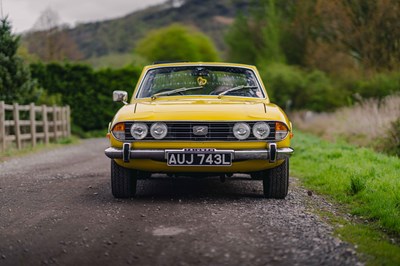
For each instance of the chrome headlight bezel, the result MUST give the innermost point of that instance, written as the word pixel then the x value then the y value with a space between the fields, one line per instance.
pixel 159 126
pixel 139 131
pixel 264 128
pixel 241 131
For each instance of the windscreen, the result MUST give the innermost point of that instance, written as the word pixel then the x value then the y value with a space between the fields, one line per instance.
pixel 200 80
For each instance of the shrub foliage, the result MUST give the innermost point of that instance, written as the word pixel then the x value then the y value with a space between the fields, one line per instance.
pixel 88 92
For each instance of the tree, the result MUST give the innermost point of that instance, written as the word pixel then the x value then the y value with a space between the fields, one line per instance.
pixel 367 30
pixel 177 42
pixel 272 35
pixel 50 41
pixel 242 45
pixel 15 81
pixel 257 39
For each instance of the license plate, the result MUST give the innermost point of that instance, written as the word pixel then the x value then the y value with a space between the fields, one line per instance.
pixel 199 158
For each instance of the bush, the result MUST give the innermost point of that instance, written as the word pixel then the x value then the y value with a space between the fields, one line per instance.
pixel 379 85
pixel 177 42
pixel 299 89
pixel 283 82
pixel 88 92
pixel 320 94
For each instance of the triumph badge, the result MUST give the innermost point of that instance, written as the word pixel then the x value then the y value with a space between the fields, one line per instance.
pixel 200 130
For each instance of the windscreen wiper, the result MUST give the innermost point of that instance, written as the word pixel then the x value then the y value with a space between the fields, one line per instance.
pixel 154 96
pixel 241 87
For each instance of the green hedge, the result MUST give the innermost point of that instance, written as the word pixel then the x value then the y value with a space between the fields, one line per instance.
pixel 88 92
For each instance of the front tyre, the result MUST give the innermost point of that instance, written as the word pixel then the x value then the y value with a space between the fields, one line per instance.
pixel 276 181
pixel 123 181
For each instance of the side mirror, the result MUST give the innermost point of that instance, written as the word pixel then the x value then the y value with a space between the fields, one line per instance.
pixel 120 96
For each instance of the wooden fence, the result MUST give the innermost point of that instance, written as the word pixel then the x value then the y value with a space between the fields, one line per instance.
pixel 24 124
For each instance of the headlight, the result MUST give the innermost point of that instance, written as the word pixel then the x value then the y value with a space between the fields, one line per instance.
pixel 119 131
pixel 139 130
pixel 159 130
pixel 281 131
pixel 241 131
pixel 261 130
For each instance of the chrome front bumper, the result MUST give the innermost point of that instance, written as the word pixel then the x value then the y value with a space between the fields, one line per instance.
pixel 272 154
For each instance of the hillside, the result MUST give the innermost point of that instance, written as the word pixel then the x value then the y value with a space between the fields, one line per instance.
pixel 118 36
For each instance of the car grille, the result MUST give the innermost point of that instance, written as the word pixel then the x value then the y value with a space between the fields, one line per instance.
pixel 217 131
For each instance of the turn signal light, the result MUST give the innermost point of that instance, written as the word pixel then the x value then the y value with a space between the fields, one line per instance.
pixel 281 131
pixel 119 131
pixel 119 127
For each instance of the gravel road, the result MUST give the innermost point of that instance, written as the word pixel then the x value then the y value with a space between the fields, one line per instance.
pixel 56 208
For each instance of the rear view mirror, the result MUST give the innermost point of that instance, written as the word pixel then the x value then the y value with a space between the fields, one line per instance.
pixel 120 96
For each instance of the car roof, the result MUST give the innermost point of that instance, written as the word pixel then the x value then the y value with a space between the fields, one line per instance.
pixel 176 64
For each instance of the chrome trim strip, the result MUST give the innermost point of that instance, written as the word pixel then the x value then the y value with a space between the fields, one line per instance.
pixel 281 153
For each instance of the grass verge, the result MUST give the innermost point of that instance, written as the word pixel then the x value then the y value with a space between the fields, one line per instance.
pixel 365 183
pixel 13 152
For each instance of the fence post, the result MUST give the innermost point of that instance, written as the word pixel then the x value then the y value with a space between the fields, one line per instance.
pixel 68 121
pixel 17 130
pixel 55 122
pixel 45 124
pixel 2 127
pixel 64 121
pixel 32 116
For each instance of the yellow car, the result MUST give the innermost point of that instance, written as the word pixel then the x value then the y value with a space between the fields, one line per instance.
pixel 199 119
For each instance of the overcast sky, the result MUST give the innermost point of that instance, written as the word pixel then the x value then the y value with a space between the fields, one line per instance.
pixel 24 13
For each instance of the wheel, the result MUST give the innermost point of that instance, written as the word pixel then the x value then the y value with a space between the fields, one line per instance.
pixel 276 181
pixel 123 181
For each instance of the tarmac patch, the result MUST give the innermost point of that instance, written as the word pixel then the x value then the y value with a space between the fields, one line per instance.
pixel 168 231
